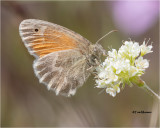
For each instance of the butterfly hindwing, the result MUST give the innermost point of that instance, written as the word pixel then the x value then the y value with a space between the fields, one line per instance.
pixel 62 72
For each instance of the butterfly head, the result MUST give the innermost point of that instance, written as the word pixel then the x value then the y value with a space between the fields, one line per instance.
pixel 96 52
pixel 98 49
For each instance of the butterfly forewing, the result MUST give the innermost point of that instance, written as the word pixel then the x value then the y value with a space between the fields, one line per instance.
pixel 42 38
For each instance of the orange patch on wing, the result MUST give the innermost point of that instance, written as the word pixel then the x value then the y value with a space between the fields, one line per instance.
pixel 51 41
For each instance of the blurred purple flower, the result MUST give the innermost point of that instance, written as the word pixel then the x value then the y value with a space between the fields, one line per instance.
pixel 135 17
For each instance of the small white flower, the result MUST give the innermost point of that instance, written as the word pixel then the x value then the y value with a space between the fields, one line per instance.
pixel 118 90
pixel 145 49
pixel 121 65
pixel 129 49
pixel 133 71
pixel 113 53
pixel 111 78
pixel 101 84
pixel 102 74
pixel 113 91
pixel 141 63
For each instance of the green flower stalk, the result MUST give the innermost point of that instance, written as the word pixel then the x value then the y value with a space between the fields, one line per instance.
pixel 124 66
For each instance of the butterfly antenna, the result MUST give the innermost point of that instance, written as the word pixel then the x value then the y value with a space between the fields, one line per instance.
pixel 106 35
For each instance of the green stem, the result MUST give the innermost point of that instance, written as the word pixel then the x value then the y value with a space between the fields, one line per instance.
pixel 150 91
pixel 137 81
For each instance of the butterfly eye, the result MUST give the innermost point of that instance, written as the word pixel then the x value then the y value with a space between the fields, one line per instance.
pixel 36 30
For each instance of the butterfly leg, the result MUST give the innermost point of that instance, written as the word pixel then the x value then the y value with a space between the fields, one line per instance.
pixel 89 68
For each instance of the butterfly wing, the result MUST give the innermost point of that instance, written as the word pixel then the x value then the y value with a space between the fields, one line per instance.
pixel 60 55
pixel 42 38
pixel 62 71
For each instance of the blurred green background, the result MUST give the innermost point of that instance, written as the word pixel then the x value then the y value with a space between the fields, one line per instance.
pixel 26 102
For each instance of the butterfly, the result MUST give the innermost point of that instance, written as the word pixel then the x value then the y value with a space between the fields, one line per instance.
pixel 63 59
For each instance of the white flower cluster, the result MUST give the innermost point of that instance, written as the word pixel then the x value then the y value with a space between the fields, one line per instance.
pixel 122 66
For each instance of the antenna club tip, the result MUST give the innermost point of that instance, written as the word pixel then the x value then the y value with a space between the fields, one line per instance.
pixel 114 30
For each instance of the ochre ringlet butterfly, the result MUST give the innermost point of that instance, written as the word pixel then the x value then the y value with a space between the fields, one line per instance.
pixel 64 59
